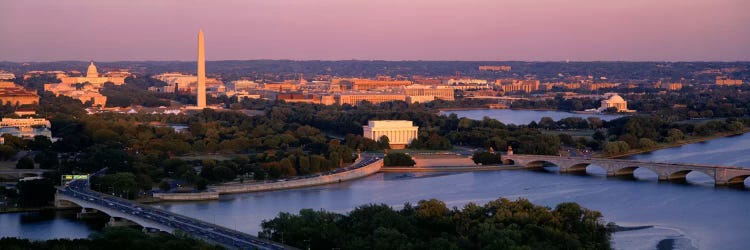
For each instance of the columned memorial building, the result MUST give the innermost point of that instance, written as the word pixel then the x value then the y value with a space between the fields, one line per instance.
pixel 399 132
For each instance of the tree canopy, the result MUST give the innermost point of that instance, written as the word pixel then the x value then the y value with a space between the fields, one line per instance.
pixel 499 224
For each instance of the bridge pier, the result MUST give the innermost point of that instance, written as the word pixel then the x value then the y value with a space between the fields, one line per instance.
pixel 723 175
pixel 730 177
pixel 119 222
pixel 61 203
pixel 149 230
pixel 737 181
pixel 87 213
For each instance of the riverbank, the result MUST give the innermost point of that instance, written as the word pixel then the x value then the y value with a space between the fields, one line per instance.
pixel 199 196
pixel 487 108
pixel 677 144
pixel 305 182
pixel 461 109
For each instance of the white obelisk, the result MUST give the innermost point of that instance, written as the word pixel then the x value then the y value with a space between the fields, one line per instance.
pixel 201 71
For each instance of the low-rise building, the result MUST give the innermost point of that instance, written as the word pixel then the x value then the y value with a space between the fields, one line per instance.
pixel 725 81
pixel 361 84
pixel 7 76
pixel 374 98
pixel 597 86
pixel 465 81
pixel 433 92
pixel 243 85
pixel 399 132
pixel 84 94
pixel 25 127
pixel 16 95
pixel 494 68
pixel 527 86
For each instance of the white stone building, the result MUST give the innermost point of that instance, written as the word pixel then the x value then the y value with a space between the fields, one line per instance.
pixel 399 132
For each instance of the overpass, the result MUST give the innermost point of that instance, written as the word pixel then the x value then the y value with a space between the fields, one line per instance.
pixel 152 219
pixel 723 175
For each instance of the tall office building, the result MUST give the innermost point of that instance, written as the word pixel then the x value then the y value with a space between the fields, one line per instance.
pixel 201 71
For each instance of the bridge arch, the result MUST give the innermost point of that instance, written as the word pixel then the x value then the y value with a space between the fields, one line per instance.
pixel 540 164
pixel 579 167
pixel 589 168
pixel 738 180
pixel 630 170
pixel 113 213
pixel 594 169
pixel 682 175
pixel 626 171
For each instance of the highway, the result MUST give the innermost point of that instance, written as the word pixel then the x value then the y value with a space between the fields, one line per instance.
pixel 80 189
pixel 196 228
pixel 364 160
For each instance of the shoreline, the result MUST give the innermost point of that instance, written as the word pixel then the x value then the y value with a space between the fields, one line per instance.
pixel 339 177
pixel 677 144
pixel 486 108
pixel 449 169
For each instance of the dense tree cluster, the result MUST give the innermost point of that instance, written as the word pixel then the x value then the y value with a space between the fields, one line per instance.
pixel 398 159
pixel 486 158
pixel 436 131
pixel 644 132
pixel 116 238
pixel 35 193
pixel 499 224
pixel 130 95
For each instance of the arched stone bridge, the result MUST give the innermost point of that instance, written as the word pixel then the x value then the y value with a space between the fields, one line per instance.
pixel 723 175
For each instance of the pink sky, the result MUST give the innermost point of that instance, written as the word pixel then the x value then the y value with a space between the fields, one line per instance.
pixel 532 30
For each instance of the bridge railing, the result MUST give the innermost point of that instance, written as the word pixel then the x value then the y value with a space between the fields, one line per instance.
pixel 112 202
pixel 629 161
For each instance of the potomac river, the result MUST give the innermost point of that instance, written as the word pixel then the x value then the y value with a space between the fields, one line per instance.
pixel 522 117
pixel 691 215
pixel 686 216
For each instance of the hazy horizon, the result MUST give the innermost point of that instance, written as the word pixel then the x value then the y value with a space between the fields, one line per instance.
pixel 389 30
pixel 364 60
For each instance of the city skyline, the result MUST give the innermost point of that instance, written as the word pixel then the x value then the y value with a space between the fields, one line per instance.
pixel 550 30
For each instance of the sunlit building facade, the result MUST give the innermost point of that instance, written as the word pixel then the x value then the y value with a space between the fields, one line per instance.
pixel 399 132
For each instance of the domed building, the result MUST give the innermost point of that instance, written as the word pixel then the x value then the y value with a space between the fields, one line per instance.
pixel 93 77
pixel 92 72
pixel 89 92
pixel 615 101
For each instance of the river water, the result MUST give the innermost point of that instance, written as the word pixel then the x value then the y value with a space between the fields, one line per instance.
pixel 689 215
pixel 522 117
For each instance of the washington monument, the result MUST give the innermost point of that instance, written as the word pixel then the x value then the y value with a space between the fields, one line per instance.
pixel 201 71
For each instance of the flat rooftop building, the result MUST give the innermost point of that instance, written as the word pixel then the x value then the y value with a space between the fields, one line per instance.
pixel 399 132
